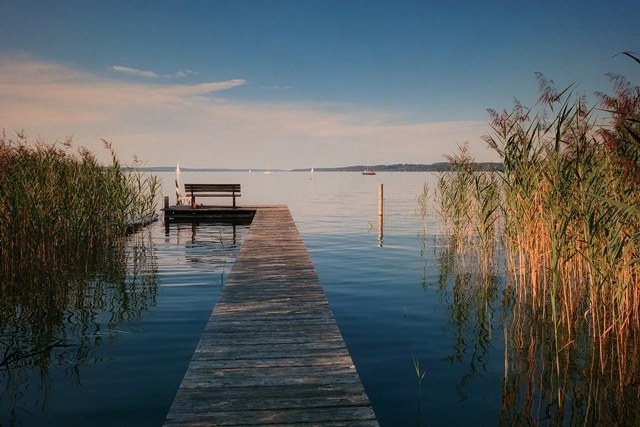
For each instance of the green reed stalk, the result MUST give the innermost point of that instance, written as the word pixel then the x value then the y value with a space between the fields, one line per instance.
pixel 57 205
pixel 423 206
pixel 419 375
pixel 469 206
pixel 486 197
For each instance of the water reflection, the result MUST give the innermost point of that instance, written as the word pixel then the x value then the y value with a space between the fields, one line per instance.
pixel 209 245
pixel 542 385
pixel 472 301
pixel 566 387
pixel 55 322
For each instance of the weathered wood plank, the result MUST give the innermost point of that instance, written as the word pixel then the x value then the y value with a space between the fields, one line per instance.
pixel 329 416
pixel 307 349
pixel 271 353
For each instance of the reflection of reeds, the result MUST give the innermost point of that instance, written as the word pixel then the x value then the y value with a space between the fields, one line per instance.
pixel 58 320
pixel 578 394
pixel 471 296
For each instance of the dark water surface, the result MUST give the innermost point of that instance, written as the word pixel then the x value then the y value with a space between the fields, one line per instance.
pixel 134 350
pixel 428 343
pixel 390 307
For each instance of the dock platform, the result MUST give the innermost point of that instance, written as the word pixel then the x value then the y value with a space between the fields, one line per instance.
pixel 271 352
pixel 185 213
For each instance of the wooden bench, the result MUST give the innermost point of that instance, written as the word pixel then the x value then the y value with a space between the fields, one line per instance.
pixel 212 190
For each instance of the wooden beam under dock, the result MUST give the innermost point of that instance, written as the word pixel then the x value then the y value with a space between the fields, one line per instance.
pixel 271 353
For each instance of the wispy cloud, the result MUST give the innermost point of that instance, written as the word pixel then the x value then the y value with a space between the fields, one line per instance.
pixel 185 73
pixel 157 121
pixel 202 88
pixel 151 74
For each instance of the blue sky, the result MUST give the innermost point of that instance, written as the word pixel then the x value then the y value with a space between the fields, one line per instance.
pixel 292 84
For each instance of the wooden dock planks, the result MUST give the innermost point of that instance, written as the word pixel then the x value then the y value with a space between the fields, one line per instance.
pixel 271 353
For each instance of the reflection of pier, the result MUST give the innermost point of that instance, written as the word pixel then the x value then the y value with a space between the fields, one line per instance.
pixel 193 226
pixel 271 352
pixel 380 214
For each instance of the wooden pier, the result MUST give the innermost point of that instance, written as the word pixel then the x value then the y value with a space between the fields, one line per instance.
pixel 271 353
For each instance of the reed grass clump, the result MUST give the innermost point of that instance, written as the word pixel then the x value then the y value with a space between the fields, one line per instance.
pixel 67 263
pixel 468 200
pixel 571 223
pixel 59 205
pixel 565 207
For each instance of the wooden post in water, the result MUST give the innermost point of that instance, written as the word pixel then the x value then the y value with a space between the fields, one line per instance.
pixel 166 223
pixel 380 213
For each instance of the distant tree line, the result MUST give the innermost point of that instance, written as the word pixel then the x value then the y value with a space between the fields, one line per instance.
pixel 407 167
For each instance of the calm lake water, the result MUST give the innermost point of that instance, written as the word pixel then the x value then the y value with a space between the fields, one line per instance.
pixel 427 353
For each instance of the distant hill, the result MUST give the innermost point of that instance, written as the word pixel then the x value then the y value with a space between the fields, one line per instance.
pixel 403 167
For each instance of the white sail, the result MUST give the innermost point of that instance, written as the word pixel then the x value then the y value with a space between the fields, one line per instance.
pixel 178 196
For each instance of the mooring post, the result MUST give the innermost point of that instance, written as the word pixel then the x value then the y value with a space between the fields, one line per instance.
pixel 380 213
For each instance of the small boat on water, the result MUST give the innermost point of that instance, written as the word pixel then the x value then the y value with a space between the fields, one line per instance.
pixel 368 171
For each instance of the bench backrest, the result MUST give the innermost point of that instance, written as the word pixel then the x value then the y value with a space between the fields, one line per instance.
pixel 215 188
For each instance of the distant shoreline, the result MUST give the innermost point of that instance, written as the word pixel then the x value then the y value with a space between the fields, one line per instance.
pixel 403 167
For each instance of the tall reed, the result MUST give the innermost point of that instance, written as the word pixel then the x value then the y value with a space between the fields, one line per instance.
pixel 569 204
pixel 423 207
pixel 58 206
pixel 469 201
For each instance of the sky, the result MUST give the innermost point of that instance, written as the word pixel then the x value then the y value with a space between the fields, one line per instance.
pixel 285 84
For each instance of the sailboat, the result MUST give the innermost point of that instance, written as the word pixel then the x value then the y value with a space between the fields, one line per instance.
pixel 368 171
pixel 178 196
pixel 180 199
